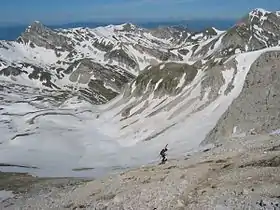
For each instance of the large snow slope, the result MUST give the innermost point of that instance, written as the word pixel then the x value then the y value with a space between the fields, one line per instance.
pixel 44 134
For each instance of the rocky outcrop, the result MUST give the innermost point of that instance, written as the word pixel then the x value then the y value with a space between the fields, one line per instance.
pixel 256 109
pixel 121 57
pixel 258 30
pixel 176 34
pixel 164 79
pixel 42 36
pixel 103 82
pixel 202 35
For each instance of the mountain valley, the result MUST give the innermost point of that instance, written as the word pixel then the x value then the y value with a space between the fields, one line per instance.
pixel 85 102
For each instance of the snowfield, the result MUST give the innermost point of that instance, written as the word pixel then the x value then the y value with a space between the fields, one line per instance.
pixel 46 135
pixel 54 139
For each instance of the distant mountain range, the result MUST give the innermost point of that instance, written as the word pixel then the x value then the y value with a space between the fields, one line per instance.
pixel 12 32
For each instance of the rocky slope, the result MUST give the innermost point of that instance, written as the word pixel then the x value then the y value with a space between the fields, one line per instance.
pixel 257 30
pixel 242 173
pixel 255 110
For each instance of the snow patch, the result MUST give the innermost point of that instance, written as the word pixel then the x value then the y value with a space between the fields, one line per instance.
pixel 4 195
pixel 275 132
pixel 133 87
pixel 158 83
pixel 237 51
pixel 182 81
pixel 161 66
pixel 227 75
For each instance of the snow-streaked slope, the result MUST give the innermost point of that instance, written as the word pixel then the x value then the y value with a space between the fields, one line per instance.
pixel 44 129
pixel 60 135
pixel 76 58
pixel 177 98
pixel 130 48
pixel 50 133
pixel 182 120
pixel 85 43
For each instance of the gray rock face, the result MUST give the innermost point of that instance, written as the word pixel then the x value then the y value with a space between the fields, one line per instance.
pixel 256 110
pixel 164 79
pixel 102 46
pixel 177 34
pixel 104 82
pixel 258 30
pixel 202 35
pixel 42 36
pixel 120 56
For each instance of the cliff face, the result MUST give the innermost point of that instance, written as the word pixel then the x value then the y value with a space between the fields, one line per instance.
pixel 255 110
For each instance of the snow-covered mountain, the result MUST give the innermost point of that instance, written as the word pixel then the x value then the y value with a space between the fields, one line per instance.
pixel 180 103
pixel 99 61
pixel 166 85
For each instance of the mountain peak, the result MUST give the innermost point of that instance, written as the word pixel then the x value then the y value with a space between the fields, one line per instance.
pixel 260 10
pixel 125 27
pixel 35 26
pixel 37 23
pixel 256 16
pixel 259 13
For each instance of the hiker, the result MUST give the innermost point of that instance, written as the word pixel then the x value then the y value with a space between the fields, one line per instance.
pixel 163 154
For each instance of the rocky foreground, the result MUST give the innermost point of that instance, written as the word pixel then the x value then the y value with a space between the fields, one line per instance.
pixel 241 173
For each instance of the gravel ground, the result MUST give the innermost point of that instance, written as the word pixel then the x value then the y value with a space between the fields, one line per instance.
pixel 241 173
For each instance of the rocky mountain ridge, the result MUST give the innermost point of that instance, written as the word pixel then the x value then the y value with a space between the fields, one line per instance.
pixel 49 57
pixel 167 101
pixel 53 58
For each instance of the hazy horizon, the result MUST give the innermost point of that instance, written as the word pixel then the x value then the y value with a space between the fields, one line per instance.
pixel 114 21
pixel 18 12
pixel 11 32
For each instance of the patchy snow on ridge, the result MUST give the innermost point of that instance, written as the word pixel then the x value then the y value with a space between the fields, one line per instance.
pixel 55 51
pixel 219 32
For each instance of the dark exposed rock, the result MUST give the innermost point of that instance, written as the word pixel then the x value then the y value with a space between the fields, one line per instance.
pixel 169 75
pixel 14 71
pixel 43 36
pixel 121 56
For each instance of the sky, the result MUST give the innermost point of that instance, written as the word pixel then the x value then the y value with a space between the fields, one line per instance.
pixel 66 11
